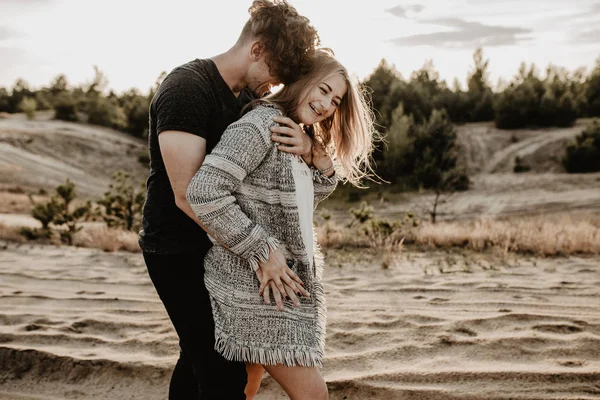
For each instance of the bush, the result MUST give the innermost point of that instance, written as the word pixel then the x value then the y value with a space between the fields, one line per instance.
pixel 56 215
pixel 144 157
pixel 382 236
pixel 122 204
pixel 584 154
pixel 135 107
pixel 106 112
pixel 431 159
pixel 397 140
pixel 592 93
pixel 4 100
pixel 28 106
pixel 520 166
pixel 65 108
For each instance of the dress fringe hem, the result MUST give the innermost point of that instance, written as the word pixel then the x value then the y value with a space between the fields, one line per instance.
pixel 233 351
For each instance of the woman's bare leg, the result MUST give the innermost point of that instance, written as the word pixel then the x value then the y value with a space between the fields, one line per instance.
pixel 300 383
pixel 255 374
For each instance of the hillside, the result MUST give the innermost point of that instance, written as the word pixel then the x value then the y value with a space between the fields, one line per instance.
pixel 43 153
pixel 486 149
pixel 488 155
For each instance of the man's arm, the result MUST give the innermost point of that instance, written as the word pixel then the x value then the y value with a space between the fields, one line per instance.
pixel 183 154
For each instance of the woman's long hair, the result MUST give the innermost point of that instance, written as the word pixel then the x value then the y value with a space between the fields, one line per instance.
pixel 348 133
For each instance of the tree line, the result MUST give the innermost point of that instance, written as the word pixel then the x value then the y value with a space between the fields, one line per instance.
pixel 91 103
pixel 415 115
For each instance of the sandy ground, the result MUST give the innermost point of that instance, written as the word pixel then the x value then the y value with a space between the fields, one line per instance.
pixel 82 324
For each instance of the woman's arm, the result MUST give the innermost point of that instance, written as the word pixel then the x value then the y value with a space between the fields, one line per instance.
pixel 323 185
pixel 325 178
pixel 239 152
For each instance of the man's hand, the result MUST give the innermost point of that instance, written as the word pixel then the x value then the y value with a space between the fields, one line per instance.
pixel 292 136
pixel 275 276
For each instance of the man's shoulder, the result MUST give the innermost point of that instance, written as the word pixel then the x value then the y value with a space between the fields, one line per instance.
pixel 198 68
pixel 196 75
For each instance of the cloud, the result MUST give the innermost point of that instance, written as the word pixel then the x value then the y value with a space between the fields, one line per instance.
pixel 8 33
pixel 590 36
pixel 401 12
pixel 15 58
pixel 465 34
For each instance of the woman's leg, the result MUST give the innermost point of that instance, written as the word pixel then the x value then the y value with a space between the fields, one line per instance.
pixel 300 383
pixel 255 374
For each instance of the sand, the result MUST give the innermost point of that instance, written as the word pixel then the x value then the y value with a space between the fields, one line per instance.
pixel 83 324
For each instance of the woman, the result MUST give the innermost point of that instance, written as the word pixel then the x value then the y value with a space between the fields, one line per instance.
pixel 256 203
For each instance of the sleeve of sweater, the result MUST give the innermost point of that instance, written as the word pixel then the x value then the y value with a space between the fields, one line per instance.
pixel 323 185
pixel 241 149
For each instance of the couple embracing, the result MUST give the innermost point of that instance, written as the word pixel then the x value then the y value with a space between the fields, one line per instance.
pixel 234 178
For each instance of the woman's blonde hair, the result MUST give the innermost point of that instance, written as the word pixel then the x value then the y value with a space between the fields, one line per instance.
pixel 348 133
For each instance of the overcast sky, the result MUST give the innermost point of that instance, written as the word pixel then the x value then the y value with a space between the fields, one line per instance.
pixel 132 41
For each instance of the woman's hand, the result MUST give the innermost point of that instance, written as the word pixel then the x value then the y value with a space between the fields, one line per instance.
pixel 290 134
pixel 275 276
pixel 320 158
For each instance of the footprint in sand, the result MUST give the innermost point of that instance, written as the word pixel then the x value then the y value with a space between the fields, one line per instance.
pixel 562 329
pixel 571 363
pixel 91 293
pixel 465 331
pixel 33 327
pixel 438 300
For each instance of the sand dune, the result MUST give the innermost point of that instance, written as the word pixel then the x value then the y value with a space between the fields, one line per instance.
pixel 43 153
pixel 494 196
pixel 79 323
pixel 486 149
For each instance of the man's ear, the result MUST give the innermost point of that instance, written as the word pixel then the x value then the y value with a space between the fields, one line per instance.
pixel 257 50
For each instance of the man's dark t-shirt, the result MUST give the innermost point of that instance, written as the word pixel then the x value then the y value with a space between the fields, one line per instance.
pixel 193 98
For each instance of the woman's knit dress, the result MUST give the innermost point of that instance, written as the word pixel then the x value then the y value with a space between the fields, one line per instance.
pixel 244 195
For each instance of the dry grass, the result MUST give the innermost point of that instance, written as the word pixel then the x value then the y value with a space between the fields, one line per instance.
pixel 11 233
pixel 543 236
pixel 17 202
pixel 107 239
pixel 334 236
pixel 387 247
pixel 92 236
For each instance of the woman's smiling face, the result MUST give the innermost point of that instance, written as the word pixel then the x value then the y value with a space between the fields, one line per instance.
pixel 322 100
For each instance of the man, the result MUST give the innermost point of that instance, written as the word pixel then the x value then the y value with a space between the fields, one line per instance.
pixel 190 111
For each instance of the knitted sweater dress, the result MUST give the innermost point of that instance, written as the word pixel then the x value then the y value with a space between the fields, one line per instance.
pixel 244 195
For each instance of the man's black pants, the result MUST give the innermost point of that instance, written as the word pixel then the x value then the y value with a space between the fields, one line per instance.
pixel 201 372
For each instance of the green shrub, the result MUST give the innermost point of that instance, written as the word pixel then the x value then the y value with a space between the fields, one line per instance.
pixel 584 154
pixel 144 157
pixel 520 166
pixel 122 203
pixel 65 108
pixel 28 106
pixel 57 216
pixel 106 112
pixel 362 214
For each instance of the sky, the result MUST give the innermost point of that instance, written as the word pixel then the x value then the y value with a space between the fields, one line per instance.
pixel 133 41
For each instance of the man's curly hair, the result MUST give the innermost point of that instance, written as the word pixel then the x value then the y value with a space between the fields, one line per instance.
pixel 286 35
